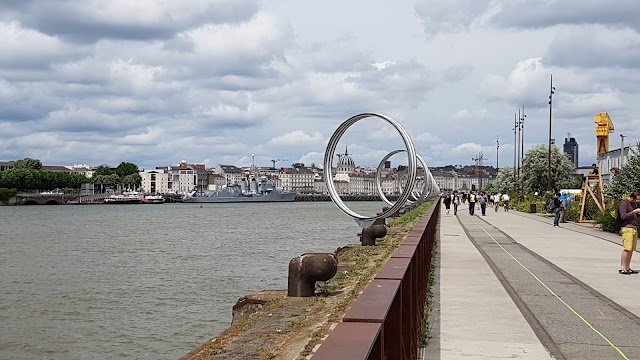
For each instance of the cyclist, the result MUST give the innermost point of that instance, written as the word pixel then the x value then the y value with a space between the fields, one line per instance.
pixel 505 200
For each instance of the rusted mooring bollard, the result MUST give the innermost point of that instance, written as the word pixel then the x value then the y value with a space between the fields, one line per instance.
pixel 369 234
pixel 306 269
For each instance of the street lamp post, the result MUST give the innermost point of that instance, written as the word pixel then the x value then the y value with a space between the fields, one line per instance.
pixel 622 150
pixel 497 153
pixel 522 133
pixel 515 147
pixel 551 92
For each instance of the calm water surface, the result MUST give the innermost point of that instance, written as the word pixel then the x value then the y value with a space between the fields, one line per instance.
pixel 146 281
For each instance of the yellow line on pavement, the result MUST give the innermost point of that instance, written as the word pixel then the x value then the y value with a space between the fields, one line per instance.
pixel 555 295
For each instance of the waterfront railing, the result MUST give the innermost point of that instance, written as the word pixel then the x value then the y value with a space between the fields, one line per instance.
pixel 385 321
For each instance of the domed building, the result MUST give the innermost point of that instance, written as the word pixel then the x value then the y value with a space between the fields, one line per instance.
pixel 345 163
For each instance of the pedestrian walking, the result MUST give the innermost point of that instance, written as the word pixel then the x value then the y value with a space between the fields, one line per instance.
pixel 628 210
pixel 456 202
pixel 564 200
pixel 556 205
pixel 482 200
pixel 447 202
pixel 472 203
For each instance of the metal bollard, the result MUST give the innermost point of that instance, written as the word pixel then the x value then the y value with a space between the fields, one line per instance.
pixel 369 234
pixel 306 269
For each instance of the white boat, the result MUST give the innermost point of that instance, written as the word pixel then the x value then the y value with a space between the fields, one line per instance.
pixel 126 198
pixel 153 199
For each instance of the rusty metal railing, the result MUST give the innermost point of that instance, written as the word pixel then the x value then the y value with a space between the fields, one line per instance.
pixel 385 321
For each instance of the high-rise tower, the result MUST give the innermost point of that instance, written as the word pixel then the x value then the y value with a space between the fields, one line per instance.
pixel 571 149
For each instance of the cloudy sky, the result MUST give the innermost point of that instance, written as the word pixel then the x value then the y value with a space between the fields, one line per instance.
pixel 213 81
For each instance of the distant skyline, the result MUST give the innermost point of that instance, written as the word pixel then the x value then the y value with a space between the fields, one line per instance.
pixel 213 81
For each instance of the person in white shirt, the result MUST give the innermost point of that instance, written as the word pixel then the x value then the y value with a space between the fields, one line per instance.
pixel 505 200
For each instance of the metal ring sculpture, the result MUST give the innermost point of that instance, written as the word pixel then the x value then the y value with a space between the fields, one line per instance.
pixel 415 196
pixel 408 189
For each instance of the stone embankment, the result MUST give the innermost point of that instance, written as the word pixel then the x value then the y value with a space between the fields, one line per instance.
pixel 270 325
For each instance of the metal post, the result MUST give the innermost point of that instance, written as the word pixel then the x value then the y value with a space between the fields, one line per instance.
pixel 481 168
pixel 497 153
pixel 517 169
pixel 551 92
pixel 515 146
pixel 522 132
pixel 622 150
pixel 519 151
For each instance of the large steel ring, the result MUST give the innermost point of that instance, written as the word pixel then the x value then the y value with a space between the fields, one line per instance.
pixel 365 221
pixel 415 196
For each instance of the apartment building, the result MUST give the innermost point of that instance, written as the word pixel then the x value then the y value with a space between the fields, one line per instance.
pixel 297 179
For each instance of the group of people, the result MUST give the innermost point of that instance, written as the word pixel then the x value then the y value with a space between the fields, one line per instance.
pixel 559 204
pixel 484 200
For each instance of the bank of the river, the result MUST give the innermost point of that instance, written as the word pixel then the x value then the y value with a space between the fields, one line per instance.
pixel 290 328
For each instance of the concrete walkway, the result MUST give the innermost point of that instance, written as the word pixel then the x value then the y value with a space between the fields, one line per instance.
pixel 510 282
pixel 475 317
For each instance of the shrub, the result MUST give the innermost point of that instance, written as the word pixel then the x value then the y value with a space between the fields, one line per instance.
pixel 573 212
pixel 6 194
pixel 607 219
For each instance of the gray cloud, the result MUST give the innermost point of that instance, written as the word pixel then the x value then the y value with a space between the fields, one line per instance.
pixel 92 20
pixel 449 16
pixel 540 14
pixel 595 46
pixel 217 87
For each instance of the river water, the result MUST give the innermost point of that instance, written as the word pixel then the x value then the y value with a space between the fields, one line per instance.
pixel 146 281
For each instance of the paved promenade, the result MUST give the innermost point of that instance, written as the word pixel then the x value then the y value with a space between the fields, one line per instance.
pixel 510 285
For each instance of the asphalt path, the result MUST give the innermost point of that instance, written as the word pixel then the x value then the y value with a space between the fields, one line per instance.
pixel 571 319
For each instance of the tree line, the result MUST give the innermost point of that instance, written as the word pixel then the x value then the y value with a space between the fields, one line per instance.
pixel 27 175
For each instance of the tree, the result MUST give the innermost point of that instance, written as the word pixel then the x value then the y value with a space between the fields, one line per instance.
pixel 103 170
pixel 132 180
pixel 402 167
pixel 28 163
pixel 503 182
pixel 6 194
pixel 126 168
pixel 628 178
pixel 297 165
pixel 535 168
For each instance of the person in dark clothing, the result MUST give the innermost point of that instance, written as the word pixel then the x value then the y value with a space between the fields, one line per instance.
pixel 447 202
pixel 594 169
pixel 629 211
pixel 557 207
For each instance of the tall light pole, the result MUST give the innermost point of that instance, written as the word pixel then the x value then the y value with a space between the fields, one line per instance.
pixel 517 169
pixel 622 150
pixel 551 92
pixel 515 146
pixel 497 153
pixel 522 132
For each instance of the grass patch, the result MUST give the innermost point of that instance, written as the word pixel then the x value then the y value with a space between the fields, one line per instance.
pixel 425 329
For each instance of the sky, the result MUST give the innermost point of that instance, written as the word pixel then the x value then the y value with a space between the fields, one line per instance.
pixel 215 81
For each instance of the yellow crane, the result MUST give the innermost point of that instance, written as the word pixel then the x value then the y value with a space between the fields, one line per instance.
pixel 604 126
pixel 592 187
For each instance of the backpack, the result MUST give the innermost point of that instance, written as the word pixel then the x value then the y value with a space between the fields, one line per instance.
pixel 617 226
pixel 472 198
pixel 551 206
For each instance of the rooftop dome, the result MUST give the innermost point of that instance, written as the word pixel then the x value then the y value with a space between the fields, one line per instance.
pixel 345 162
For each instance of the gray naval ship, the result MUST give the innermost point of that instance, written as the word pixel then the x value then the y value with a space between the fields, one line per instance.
pixel 255 191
